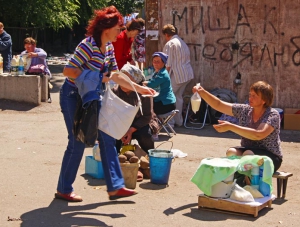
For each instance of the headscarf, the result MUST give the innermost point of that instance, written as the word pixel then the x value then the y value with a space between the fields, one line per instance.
pixel 134 72
pixel 162 55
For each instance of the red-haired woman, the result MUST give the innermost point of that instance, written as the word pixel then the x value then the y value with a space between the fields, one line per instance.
pixel 93 55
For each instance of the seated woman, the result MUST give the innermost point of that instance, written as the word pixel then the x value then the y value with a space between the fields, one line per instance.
pixel 259 124
pixel 165 102
pixel 143 126
pixel 36 56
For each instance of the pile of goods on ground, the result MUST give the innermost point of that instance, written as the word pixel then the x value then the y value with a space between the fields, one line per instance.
pixel 134 154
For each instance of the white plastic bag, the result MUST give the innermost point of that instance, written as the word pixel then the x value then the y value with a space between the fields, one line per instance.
pixel 196 100
pixel 240 194
pixel 178 153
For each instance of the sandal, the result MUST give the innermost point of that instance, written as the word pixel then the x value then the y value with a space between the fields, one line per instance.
pixel 123 192
pixel 71 197
pixel 140 176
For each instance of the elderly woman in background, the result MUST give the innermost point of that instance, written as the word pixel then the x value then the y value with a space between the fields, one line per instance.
pixel 143 125
pixel 165 102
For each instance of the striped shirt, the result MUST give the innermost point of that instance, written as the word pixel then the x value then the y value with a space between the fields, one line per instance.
pixel 88 56
pixel 179 59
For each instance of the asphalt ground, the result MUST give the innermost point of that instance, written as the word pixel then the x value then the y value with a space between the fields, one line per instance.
pixel 32 143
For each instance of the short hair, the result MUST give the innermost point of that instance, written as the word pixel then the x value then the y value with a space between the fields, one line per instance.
pixel 141 21
pixel 265 90
pixel 133 25
pixel 1 25
pixel 169 29
pixel 29 40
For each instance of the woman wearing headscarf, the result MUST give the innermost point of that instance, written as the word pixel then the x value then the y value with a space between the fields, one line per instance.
pixel 165 102
pixel 144 124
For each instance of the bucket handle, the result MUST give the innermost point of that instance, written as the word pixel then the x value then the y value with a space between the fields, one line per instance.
pixel 165 142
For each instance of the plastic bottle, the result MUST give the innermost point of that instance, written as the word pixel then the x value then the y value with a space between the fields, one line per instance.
pixel 96 152
pixel 264 188
pixel 255 177
pixel 21 66
pixel 1 64
pixel 14 66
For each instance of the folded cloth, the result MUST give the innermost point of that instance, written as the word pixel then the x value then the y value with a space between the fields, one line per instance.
pixel 214 170
pixel 255 160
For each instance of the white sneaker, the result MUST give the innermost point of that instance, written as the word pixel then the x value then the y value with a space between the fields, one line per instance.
pixel 155 137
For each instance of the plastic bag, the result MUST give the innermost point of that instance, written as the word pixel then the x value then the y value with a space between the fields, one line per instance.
pixel 178 153
pixel 254 192
pixel 240 194
pixel 196 100
pixel 96 152
pixel 86 122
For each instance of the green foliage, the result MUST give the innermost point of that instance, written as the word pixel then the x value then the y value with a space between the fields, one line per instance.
pixel 125 6
pixel 57 14
pixel 39 13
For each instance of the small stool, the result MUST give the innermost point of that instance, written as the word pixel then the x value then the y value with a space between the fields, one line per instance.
pixel 282 179
pixel 187 114
pixel 164 119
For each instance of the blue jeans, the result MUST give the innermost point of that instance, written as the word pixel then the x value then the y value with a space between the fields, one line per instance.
pixel 74 152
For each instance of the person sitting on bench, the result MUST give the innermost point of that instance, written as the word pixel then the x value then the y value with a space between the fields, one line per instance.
pixel 259 124
pixel 36 57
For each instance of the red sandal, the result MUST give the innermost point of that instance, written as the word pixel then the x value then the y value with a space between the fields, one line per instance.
pixel 123 192
pixel 71 197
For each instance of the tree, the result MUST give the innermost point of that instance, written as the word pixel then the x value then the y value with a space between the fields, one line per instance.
pixel 127 6
pixel 57 14
pixel 39 13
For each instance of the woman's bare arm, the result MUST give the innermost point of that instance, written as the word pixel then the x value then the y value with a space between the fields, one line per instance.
pixel 213 101
pixel 260 133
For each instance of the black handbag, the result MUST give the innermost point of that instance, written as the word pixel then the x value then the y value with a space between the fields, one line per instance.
pixel 85 127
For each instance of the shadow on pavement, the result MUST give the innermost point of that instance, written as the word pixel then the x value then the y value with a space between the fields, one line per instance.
pixel 59 213
pixel 213 214
pixel 14 105
pixel 93 181
pixel 219 215
pixel 150 186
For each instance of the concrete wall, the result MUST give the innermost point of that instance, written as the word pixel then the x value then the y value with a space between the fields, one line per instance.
pixel 22 88
pixel 260 39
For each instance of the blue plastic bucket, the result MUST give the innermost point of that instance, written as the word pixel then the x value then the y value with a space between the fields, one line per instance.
pixel 160 165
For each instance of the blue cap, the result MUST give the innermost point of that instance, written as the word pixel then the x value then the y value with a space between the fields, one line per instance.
pixel 162 55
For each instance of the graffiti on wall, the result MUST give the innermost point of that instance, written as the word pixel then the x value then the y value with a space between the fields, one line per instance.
pixel 224 48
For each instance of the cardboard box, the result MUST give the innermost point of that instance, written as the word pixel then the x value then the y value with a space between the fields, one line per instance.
pixel 93 167
pixel 291 119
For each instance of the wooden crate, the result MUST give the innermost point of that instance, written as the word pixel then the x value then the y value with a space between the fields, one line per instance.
pixel 225 205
